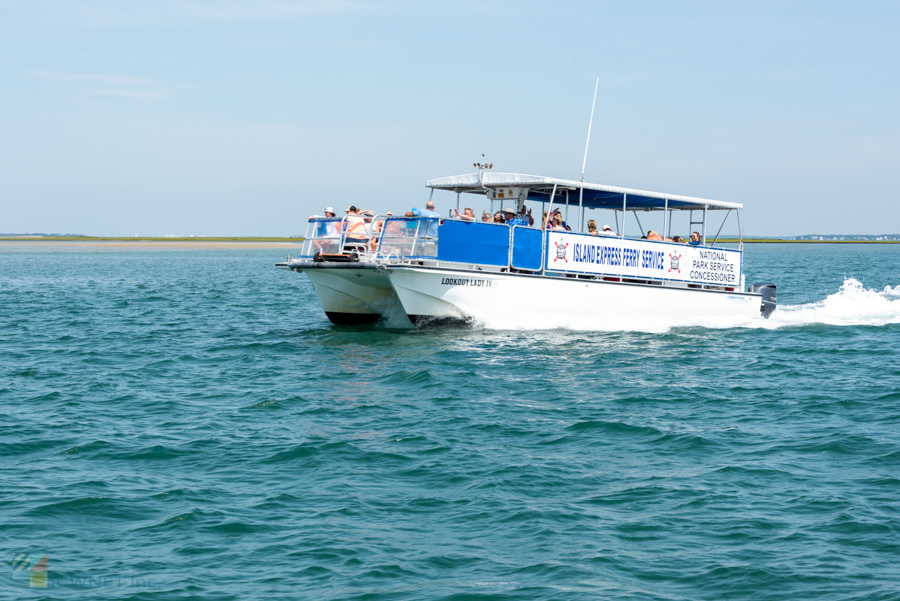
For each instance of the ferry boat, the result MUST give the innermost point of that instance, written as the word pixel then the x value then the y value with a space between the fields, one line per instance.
pixel 443 270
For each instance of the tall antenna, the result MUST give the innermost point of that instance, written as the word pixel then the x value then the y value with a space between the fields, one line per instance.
pixel 583 164
pixel 590 123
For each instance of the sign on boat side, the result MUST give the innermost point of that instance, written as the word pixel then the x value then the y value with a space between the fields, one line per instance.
pixel 595 255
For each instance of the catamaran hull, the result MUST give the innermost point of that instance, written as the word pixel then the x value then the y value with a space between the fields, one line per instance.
pixel 435 296
pixel 353 296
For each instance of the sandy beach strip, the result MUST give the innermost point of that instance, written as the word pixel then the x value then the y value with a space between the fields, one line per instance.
pixel 12 245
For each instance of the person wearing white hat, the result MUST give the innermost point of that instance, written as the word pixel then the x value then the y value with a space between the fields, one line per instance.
pixel 329 214
pixel 607 231
pixel 326 229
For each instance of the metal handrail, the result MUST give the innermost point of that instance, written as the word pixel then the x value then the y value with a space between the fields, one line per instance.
pixel 417 239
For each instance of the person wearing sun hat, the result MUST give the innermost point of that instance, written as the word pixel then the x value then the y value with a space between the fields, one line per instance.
pixel 513 219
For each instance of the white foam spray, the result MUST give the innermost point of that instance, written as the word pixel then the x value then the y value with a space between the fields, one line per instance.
pixel 852 305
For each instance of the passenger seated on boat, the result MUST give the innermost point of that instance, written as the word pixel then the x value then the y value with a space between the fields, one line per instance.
pixel 329 214
pixel 558 223
pixel 428 211
pixel 376 233
pixel 549 221
pixel 565 225
pixel 326 229
pixel 678 239
pixel 499 218
pixel 592 228
pixel 468 214
pixel 652 235
pixel 513 219
pixel 695 239
pixel 607 231
pixel 525 215
pixel 355 226
pixel 485 216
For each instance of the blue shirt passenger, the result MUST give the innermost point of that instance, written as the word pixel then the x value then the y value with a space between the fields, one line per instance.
pixel 428 211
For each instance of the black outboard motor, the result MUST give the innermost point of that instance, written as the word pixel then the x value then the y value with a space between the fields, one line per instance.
pixel 769 302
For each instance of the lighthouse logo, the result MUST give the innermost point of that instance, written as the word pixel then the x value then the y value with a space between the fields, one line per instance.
pixel 30 568
pixel 674 262
pixel 561 252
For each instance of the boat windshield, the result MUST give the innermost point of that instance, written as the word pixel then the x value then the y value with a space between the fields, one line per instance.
pixel 323 235
pixel 414 237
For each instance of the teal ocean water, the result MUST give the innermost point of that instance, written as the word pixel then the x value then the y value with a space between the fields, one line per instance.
pixel 188 425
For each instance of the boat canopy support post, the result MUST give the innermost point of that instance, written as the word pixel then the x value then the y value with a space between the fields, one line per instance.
pixel 624 213
pixel 550 208
pixel 544 234
pixel 457 202
pixel 721 226
pixel 581 205
pixel 643 233
pixel 666 220
pixel 704 225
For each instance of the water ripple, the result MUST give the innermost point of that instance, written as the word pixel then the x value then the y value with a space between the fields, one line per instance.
pixel 188 425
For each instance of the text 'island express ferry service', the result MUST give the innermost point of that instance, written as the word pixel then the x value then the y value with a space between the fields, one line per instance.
pixel 445 270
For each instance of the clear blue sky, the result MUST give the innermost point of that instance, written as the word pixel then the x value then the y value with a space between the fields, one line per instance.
pixel 243 118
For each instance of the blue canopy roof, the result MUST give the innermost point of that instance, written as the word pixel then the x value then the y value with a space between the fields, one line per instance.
pixel 596 196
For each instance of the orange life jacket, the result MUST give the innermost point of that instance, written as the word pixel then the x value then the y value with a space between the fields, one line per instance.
pixel 356 227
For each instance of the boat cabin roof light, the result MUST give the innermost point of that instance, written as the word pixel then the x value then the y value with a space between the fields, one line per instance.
pixel 596 196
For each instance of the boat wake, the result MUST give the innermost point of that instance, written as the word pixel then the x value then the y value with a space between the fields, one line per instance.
pixel 852 305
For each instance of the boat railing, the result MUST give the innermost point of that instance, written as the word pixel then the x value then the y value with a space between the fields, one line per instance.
pixel 323 234
pixel 409 237
pixel 474 244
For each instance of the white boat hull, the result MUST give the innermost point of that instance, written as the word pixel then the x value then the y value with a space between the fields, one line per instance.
pixel 439 294
pixel 354 296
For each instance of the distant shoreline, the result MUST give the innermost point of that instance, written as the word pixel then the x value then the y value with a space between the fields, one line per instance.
pixel 143 239
pixel 72 243
pixel 779 241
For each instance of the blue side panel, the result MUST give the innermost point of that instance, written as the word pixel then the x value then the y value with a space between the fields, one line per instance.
pixel 526 248
pixel 473 242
